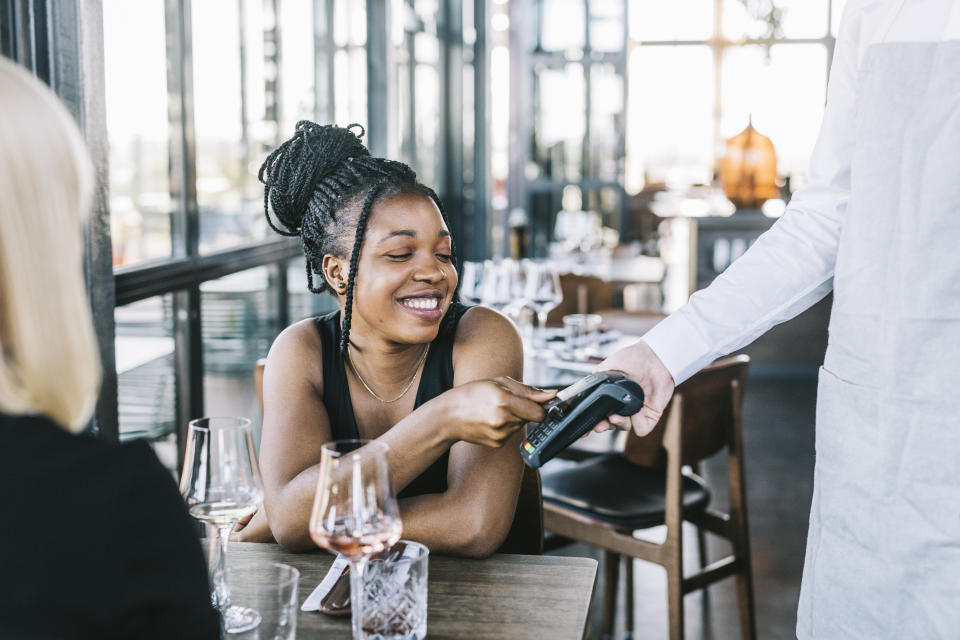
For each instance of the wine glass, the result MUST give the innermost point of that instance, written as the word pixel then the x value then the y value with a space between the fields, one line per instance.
pixel 495 293
pixel 471 284
pixel 518 309
pixel 221 484
pixel 500 285
pixel 543 292
pixel 355 510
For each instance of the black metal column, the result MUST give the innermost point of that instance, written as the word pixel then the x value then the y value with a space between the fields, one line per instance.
pixel 477 247
pixel 378 77
pixel 185 226
pixel 67 44
pixel 451 124
pixel 323 61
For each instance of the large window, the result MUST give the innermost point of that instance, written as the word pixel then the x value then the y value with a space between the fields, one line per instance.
pixel 698 77
pixel 568 64
pixel 138 130
pixel 617 94
pixel 197 92
pixel 349 36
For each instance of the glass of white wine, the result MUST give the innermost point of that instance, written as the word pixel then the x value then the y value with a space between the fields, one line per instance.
pixel 544 293
pixel 355 510
pixel 221 484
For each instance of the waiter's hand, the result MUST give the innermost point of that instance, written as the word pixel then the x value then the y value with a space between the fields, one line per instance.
pixel 640 363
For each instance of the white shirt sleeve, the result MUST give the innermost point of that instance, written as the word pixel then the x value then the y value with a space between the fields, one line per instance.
pixel 790 267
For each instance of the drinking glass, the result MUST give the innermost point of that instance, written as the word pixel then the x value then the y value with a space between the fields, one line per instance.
pixel 271 589
pixel 514 278
pixel 355 510
pixel 543 292
pixel 580 334
pixel 221 484
pixel 393 593
pixel 471 283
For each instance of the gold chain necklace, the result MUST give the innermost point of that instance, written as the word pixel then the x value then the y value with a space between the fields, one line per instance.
pixel 353 368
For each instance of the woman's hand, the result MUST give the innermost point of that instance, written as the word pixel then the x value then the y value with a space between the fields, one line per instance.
pixel 639 362
pixel 488 412
pixel 252 528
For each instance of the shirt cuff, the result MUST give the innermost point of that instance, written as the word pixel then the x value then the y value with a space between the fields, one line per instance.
pixel 680 346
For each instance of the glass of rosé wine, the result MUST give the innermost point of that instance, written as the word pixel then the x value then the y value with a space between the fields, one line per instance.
pixel 355 510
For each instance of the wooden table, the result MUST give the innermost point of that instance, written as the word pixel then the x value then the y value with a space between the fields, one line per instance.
pixel 504 596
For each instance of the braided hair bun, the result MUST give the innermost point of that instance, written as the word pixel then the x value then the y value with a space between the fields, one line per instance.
pixel 293 170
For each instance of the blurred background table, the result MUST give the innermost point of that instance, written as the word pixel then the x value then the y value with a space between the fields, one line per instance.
pixel 504 596
pixel 556 366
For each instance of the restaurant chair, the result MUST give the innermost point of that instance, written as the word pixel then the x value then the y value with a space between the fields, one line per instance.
pixel 581 294
pixel 526 532
pixel 603 500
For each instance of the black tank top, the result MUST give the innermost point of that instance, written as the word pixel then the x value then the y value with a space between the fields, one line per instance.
pixel 437 377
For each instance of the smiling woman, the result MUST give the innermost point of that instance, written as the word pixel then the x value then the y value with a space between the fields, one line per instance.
pixel 400 324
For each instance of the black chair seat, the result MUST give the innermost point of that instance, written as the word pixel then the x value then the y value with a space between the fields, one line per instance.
pixel 615 491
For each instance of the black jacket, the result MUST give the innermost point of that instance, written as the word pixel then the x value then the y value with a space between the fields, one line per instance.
pixel 95 541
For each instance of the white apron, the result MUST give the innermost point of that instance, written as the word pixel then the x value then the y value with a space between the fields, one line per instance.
pixel 883 551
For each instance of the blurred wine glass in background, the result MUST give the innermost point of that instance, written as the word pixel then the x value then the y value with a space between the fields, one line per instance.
pixel 544 293
pixel 471 283
pixel 515 280
pixel 496 284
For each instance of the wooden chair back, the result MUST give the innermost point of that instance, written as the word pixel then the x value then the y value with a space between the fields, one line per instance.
pixel 707 419
pixel 526 532
pixel 581 294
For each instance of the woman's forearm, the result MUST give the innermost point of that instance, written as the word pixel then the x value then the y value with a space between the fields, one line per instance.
pixel 451 524
pixel 415 443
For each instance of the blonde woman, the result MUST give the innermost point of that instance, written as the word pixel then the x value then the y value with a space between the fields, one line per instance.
pixel 95 541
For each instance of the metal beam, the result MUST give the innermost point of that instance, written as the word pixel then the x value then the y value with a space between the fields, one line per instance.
pixel 74 49
pixel 450 161
pixel 477 248
pixel 184 227
pixel 172 275
pixel 521 112
pixel 187 361
pixel 323 61
pixel 8 29
pixel 379 58
pixel 41 36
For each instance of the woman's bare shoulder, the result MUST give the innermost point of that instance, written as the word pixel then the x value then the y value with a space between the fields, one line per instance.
pixel 487 344
pixel 482 323
pixel 298 350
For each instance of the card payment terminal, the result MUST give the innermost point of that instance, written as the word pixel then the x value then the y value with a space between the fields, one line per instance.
pixel 575 410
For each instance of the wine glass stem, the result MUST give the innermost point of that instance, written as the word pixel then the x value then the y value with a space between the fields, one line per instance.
pixel 220 594
pixel 356 596
pixel 542 328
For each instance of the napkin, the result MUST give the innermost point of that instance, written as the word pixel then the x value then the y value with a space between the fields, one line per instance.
pixel 339 573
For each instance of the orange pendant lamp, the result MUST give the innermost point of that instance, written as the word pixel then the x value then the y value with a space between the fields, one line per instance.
pixel 748 170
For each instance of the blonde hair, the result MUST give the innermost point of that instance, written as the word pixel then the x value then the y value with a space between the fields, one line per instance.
pixel 49 361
